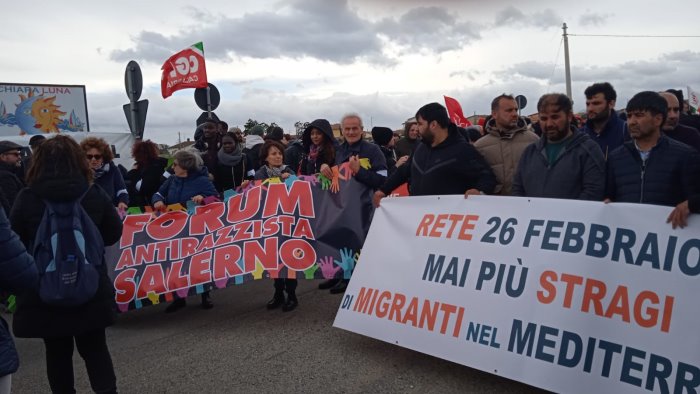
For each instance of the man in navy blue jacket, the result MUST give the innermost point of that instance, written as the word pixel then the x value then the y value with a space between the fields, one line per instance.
pixel 367 164
pixel 603 124
pixel 652 168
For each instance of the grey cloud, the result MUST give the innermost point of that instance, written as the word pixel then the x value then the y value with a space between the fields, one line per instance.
pixel 683 56
pixel 514 17
pixel 593 19
pixel 509 16
pixel 675 69
pixel 545 19
pixel 325 30
pixel 432 28
pixel 470 74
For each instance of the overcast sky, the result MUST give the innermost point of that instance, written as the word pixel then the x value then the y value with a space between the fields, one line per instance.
pixel 284 61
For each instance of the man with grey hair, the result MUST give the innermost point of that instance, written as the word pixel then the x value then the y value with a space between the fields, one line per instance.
pixel 355 148
pixel 367 164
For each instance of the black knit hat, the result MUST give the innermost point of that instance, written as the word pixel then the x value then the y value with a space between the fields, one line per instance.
pixel 275 133
pixel 382 135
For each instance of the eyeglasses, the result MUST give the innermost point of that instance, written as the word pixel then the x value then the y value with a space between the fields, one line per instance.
pixel 96 157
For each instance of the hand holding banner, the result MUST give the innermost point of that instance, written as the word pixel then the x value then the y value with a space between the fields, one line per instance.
pixel 184 70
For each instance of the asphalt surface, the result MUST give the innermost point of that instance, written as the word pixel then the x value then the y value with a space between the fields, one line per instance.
pixel 240 346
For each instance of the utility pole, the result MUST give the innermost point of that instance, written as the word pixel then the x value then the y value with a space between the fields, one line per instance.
pixel 567 66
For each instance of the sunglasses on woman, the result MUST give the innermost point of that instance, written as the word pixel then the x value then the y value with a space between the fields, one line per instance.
pixel 96 157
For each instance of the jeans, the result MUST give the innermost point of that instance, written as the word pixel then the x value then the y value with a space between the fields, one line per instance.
pixel 92 347
pixel 6 384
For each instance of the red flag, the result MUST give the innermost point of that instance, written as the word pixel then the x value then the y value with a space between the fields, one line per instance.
pixel 454 110
pixel 184 70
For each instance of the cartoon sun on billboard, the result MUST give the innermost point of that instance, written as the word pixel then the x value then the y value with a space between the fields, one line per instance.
pixel 39 114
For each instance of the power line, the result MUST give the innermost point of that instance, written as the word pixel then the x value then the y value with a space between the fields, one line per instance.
pixel 556 60
pixel 629 36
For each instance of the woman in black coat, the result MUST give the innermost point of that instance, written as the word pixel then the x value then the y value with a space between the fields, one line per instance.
pixel 60 173
pixel 146 176
pixel 18 273
pixel 233 166
pixel 319 149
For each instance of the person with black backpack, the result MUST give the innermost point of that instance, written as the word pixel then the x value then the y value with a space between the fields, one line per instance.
pixel 65 314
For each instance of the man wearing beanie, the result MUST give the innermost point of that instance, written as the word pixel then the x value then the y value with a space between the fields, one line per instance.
pixel 384 138
pixel 253 143
pixel 275 133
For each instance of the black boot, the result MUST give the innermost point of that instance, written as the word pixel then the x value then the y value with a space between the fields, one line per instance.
pixel 292 301
pixel 176 305
pixel 206 301
pixel 340 287
pixel 328 284
pixel 278 298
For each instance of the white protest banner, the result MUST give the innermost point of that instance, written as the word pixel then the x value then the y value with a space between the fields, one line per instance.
pixel 570 296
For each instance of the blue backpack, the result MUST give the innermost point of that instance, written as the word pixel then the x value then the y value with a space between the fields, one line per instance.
pixel 68 249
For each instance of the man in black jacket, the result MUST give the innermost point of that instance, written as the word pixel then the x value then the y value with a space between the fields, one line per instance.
pixel 673 128
pixel 10 161
pixel 443 163
pixel 652 168
pixel 679 215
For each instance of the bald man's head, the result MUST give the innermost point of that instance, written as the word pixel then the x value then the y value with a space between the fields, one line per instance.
pixel 674 111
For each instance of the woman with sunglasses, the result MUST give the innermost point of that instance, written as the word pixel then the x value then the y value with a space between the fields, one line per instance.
pixel 107 175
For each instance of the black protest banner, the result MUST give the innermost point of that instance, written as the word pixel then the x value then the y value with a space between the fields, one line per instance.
pixel 298 228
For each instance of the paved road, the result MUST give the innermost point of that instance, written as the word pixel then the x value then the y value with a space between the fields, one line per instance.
pixel 239 346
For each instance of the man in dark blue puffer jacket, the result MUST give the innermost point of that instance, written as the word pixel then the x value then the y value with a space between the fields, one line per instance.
pixel 17 273
pixel 652 168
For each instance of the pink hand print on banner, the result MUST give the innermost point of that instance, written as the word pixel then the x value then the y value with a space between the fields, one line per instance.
pixel 182 293
pixel 328 269
pixel 309 178
pixel 344 171
pixel 221 283
pixel 123 307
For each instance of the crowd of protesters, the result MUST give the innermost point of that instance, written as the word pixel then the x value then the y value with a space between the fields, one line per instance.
pixel 648 153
